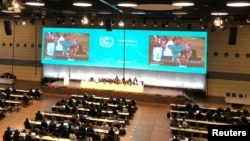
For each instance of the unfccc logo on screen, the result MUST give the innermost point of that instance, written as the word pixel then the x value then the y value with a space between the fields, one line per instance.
pixel 106 41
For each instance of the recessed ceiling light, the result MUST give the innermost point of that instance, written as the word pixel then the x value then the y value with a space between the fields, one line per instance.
pixel 105 12
pixel 35 3
pixel 238 3
pixel 7 11
pixel 126 4
pixel 182 3
pixel 82 4
pixel 179 13
pixel 138 12
pixel 219 13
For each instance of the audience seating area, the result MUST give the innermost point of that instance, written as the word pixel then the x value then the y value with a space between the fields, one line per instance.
pixel 82 117
pixel 191 121
pixel 12 99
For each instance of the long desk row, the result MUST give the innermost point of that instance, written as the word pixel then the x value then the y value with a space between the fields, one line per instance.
pixel 65 116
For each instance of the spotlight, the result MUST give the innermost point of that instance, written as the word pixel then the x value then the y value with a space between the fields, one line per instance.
pixel 121 23
pixel 58 20
pixel 144 23
pixel 85 20
pixel 178 24
pixel 133 23
pixel 155 23
pixel 72 20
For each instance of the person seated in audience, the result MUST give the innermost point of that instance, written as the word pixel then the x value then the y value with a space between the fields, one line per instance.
pixel 39 116
pixel 176 138
pixel 209 115
pixel 37 94
pixel 240 122
pixel 111 131
pixel 28 137
pixel 52 126
pixel 219 110
pixel 199 116
pixel 174 123
pixel 7 134
pixel 2 115
pixel 44 124
pixel 244 119
pixel 25 99
pixel 196 107
pixel 228 119
pixel 190 114
pixel 228 110
pixel 7 96
pixel 81 131
pixel 184 123
pixel 27 124
pixel 16 136
pixel 245 112
pixel 238 113
pixel 188 106
pixel 217 117
pixel 90 129
pixel 43 131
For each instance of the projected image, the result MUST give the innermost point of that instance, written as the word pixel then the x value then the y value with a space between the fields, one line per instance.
pixel 58 45
pixel 176 51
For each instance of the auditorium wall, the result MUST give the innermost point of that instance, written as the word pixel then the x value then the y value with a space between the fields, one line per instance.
pixel 228 65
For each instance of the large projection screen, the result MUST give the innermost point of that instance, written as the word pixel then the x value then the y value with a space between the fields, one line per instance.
pixel 145 51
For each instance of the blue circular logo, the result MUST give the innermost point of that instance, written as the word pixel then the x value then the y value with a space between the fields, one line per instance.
pixel 106 41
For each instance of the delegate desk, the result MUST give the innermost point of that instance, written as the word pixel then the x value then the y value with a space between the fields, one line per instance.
pixel 49 114
pixel 7 81
pixel 45 138
pixel 96 129
pixel 112 86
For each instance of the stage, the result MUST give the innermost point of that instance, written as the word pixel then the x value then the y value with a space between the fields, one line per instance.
pixel 143 89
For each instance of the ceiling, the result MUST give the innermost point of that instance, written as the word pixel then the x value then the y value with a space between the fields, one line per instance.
pixel 64 8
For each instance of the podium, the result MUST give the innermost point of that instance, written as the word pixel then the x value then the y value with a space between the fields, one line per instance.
pixel 66 81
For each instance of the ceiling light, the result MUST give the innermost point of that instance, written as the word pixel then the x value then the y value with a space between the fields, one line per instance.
pixel 219 13
pixel 35 3
pixel 121 23
pixel 85 20
pixel 183 3
pixel 82 4
pixel 218 21
pixel 127 4
pixel 138 13
pixel 238 3
pixel 179 13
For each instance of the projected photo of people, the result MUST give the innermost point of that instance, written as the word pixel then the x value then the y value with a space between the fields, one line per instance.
pixel 66 46
pixel 176 51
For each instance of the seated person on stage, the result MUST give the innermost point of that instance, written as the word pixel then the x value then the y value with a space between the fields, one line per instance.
pixel 129 81
pixel 117 80
pixel 135 81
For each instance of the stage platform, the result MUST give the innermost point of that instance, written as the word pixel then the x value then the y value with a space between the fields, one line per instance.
pixel 118 87
pixel 149 93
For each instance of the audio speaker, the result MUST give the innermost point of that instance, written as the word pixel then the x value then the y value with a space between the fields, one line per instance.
pixel 189 27
pixel 232 35
pixel 108 25
pixel 7 27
